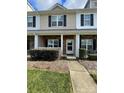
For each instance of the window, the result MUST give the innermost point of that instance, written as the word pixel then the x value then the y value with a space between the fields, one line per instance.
pixel 87 19
pixel 53 43
pixel 93 4
pixel 30 21
pixel 87 44
pixel 57 20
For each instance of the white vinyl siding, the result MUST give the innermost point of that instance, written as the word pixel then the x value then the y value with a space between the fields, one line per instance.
pixel 93 4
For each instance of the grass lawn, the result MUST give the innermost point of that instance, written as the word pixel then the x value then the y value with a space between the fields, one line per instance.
pixel 48 82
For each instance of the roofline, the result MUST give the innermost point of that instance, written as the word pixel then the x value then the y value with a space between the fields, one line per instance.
pixel 86 3
pixel 64 11
pixel 55 5
pixel 33 9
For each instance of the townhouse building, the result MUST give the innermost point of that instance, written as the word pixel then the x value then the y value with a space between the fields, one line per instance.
pixel 68 29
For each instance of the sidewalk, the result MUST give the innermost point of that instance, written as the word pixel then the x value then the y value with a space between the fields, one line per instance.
pixel 80 78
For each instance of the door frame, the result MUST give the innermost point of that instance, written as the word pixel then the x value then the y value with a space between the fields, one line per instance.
pixel 70 52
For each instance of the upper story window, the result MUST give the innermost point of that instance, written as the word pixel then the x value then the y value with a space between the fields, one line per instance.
pixel 93 3
pixel 87 20
pixel 57 20
pixel 31 21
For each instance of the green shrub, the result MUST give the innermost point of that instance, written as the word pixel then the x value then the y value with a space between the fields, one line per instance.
pixel 82 53
pixel 45 54
pixel 92 56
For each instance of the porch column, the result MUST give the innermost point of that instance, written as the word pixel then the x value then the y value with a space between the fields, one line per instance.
pixel 36 41
pixel 77 45
pixel 62 44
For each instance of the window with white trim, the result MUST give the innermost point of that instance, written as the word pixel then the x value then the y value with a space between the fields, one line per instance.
pixel 30 21
pixel 53 42
pixel 87 44
pixel 57 20
pixel 87 21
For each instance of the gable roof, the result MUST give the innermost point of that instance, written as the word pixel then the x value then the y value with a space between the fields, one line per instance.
pixel 76 4
pixel 57 5
pixel 30 7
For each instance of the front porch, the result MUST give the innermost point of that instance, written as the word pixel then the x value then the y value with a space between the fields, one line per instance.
pixel 68 44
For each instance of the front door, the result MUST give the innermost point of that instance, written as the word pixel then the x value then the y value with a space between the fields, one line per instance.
pixel 69 46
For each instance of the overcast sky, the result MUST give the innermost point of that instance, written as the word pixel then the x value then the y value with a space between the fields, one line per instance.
pixel 45 4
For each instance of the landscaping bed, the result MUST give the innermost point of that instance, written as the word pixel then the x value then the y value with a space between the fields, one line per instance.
pixel 55 66
pixel 48 82
pixel 91 66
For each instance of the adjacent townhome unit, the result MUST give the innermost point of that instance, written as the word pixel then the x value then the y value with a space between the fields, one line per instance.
pixel 68 29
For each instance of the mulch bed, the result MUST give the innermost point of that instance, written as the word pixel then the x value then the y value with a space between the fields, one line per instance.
pixel 91 65
pixel 56 66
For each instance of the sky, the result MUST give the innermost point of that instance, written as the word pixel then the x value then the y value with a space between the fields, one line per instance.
pixel 46 4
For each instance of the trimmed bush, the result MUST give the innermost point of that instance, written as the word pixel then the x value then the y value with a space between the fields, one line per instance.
pixel 82 53
pixel 45 54
pixel 92 56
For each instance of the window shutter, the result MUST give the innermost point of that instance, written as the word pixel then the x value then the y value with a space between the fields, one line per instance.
pixel 34 21
pixel 64 20
pixel 82 19
pixel 94 44
pixel 49 21
pixel 59 42
pixel 46 43
pixel 91 19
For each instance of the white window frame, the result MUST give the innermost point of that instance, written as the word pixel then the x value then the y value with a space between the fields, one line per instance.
pixel 57 20
pixel 53 42
pixel 92 3
pixel 87 43
pixel 30 22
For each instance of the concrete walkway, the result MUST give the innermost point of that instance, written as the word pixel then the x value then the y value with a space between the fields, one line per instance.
pixel 81 80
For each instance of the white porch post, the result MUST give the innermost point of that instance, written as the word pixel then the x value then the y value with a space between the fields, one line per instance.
pixel 62 44
pixel 77 45
pixel 36 41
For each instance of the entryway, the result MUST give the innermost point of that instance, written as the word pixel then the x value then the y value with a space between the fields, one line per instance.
pixel 70 46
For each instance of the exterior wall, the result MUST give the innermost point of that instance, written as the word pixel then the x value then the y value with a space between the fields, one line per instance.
pixel 78 26
pixel 88 3
pixel 71 22
pixel 43 39
pixel 57 8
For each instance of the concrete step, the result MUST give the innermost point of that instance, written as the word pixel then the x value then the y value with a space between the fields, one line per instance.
pixel 70 57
